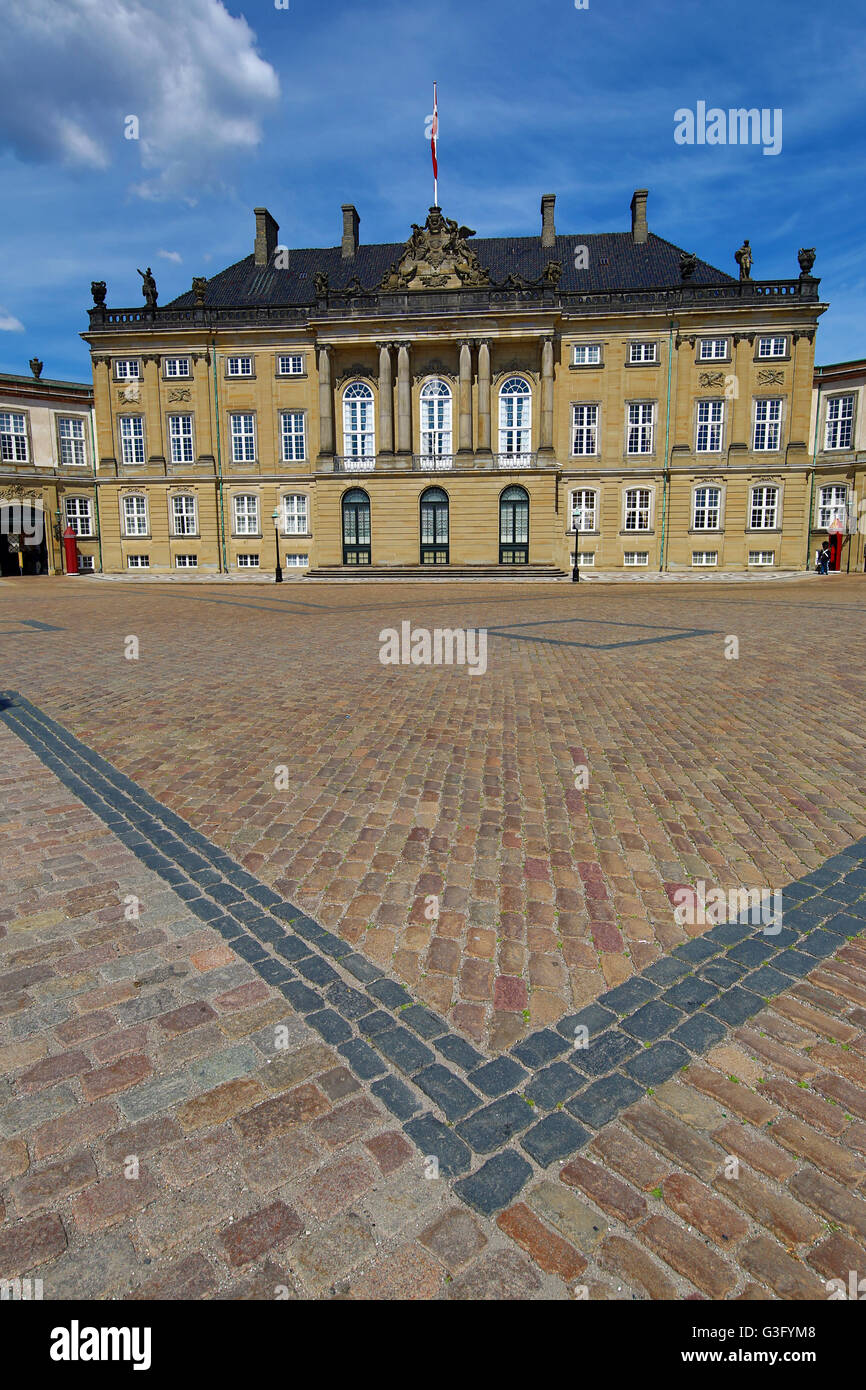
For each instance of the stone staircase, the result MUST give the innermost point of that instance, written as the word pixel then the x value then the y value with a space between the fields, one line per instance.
pixel 399 573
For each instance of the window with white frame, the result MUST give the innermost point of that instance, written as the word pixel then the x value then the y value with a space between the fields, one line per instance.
pixel 584 559
pixel 635 557
pixel 186 562
pixel 436 419
pixel 134 515
pixel 180 438
pixel 764 508
pixel 772 347
pixel 768 426
pixel 246 514
pixel 840 422
pixel 132 438
pixel 584 429
pixel 705 557
pixel 762 557
pixel 641 424
pixel 127 369
pixel 359 428
pixel 584 510
pixel 86 564
pixel 643 352
pixel 239 366
pixel 293 436
pixel 832 505
pixel 138 562
pixel 586 354
pixel 297 561
pixel 707 508
pixel 296 515
pixel 638 509
pixel 71 435
pixel 711 425
pixel 712 349
pixel 183 514
pixel 79 515
pixel 248 562
pixel 290 364
pixel 176 366
pixel 13 437
pixel 515 416
pixel 243 438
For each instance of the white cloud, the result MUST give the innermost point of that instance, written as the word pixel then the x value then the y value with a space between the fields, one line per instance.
pixel 189 72
pixel 171 256
pixel 9 323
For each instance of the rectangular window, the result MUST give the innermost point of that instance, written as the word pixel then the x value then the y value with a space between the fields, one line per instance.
pixel 586 354
pixel 183 516
pixel 711 421
pixel 134 516
pixel 176 366
pixel 832 505
pixel 86 564
pixel 297 561
pixel 295 515
pixel 584 429
pixel 636 557
pixel 293 437
pixel 762 557
pixel 772 347
pixel 643 352
pixel 132 438
pixel 243 438
pixel 707 509
pixel 180 435
pixel 71 443
pixel 291 365
pixel 248 562
pixel 584 510
pixel 768 426
pixel 138 562
pixel 641 419
pixel 239 366
pixel 246 515
pixel 712 349
pixel 840 422
pixel 79 515
pixel 764 509
pixel 186 562
pixel 584 559
pixel 705 558
pixel 13 438
pixel 638 503
pixel 127 369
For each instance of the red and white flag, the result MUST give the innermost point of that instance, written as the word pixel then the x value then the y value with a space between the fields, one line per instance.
pixel 434 138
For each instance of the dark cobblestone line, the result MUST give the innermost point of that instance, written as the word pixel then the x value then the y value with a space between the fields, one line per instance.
pixel 642 1032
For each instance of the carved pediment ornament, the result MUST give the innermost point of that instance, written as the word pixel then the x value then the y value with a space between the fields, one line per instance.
pixel 436 256
pixel 714 379
pixel 435 367
pixel 744 337
pixel 771 376
pixel 357 369
pixel 506 368
pixel 16 490
pixel 182 393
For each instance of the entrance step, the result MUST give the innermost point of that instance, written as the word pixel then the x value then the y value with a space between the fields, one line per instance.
pixel 397 573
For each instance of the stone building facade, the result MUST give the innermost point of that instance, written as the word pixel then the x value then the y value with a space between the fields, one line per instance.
pixel 838 489
pixel 496 405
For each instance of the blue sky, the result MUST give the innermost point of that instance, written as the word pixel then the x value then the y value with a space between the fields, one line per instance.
pixel 325 102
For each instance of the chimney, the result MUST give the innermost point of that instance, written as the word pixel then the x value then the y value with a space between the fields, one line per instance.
pixel 351 222
pixel 548 230
pixel 267 232
pixel 639 228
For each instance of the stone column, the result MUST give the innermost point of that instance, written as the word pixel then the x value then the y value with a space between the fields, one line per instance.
pixel 546 436
pixel 152 408
pixel 327 447
pixel 484 430
pixel 404 401
pixel 464 391
pixel 386 400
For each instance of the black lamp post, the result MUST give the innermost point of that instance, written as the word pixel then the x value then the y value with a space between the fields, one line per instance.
pixel 278 573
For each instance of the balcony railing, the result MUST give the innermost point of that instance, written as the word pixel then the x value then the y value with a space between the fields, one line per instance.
pixel 433 463
pixel 355 463
pixel 515 460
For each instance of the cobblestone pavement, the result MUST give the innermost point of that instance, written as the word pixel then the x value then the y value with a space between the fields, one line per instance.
pixel 222 1097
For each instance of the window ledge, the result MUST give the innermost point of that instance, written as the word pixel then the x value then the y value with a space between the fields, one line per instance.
pixel 631 535
pixel 590 366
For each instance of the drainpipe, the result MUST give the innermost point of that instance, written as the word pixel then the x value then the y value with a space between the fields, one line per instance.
pixel 96 492
pixel 667 471
pixel 812 483
pixel 216 406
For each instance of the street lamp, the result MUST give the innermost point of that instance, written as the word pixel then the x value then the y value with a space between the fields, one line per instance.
pixel 278 573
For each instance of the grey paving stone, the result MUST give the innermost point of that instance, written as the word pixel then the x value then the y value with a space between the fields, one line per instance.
pixel 666 971
pixel 331 1026
pixel 351 1003
pixel 626 997
pixel 553 1084
pixel 493 1126
pixel 152 1096
pixel 389 993
pixel 433 1138
pixel 376 1022
pixel 496 1184
pixel 658 1063
pixel 697 950
pixel 555 1137
pixel 607 1051
pixel 219 981
pixel 453 1097
pixel 301 997
pixel 539 1048
pixel 404 1049
pixel 361 968
pixel 651 1021
pixel 318 971
pixel 820 944
pixel 28 1112
pixel 498 1076
pixel 699 1033
pixel 604 1099
pixel 752 952
pixel 458 1050
pixel 722 972
pixel 690 994
pixel 593 1018
pixel 423 1021
pixel 766 981
pixel 362 1059
pixel 224 1066
pixel 735 1005
pixel 395 1094
pixel 794 963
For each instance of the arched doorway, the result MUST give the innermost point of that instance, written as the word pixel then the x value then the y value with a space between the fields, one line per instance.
pixel 435 548
pixel 356 527
pixel 514 526
pixel 23 547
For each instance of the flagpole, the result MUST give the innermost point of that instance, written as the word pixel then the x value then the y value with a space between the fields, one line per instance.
pixel 435 150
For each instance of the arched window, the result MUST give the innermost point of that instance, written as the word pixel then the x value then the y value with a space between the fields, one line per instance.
pixel 246 514
pixel 135 515
pixel 515 420
pixel 359 429
pixel 434 527
pixel 436 415
pixel 183 515
pixel 356 527
pixel 514 527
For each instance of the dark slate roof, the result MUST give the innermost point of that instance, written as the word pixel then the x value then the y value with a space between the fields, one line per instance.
pixel 615 263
